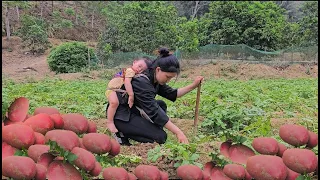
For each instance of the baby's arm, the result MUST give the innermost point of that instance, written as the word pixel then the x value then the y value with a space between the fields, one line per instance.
pixel 128 86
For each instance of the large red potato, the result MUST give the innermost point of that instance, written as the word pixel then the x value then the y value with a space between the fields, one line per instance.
pixel 217 173
pixel 59 170
pixel 64 138
pixel 39 138
pixel 75 122
pixel 266 167
pixel 132 176
pixel 7 150
pixel 35 151
pixel 92 127
pixel 112 173
pixel 57 121
pixel 18 110
pixel 41 172
pixel 45 159
pixel 300 160
pixel 18 167
pixel 189 172
pixel 147 172
pixel 292 175
pixel 295 135
pixel 96 170
pixel 265 145
pixel 18 135
pixel 313 140
pixel 40 123
pixel 97 143
pixel 46 110
pixel 239 153
pixel 224 148
pixel 85 159
pixel 282 148
pixel 234 171
pixel 115 147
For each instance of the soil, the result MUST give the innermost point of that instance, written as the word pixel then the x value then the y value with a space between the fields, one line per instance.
pixel 21 66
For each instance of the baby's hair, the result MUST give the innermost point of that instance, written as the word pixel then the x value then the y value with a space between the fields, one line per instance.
pixel 147 60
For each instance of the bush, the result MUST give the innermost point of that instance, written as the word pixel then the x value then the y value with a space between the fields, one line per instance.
pixel 71 57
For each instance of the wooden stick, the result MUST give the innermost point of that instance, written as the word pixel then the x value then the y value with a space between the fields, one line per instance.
pixel 196 115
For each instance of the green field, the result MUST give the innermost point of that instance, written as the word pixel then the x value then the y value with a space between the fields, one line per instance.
pixel 221 101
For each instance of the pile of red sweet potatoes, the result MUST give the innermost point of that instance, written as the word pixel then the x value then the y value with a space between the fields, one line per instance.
pixel 22 131
pixel 268 160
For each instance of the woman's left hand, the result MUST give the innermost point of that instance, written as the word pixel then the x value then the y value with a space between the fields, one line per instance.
pixel 198 80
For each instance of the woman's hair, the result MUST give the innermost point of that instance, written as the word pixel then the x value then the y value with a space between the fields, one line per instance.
pixel 166 61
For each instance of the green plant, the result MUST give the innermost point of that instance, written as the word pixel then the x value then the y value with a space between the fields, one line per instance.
pixel 117 161
pixel 33 34
pixel 180 154
pixel 69 11
pixel 71 57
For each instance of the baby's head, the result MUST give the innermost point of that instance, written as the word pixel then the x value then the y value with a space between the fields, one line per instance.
pixel 140 64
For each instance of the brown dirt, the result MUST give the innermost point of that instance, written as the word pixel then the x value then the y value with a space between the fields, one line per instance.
pixel 15 59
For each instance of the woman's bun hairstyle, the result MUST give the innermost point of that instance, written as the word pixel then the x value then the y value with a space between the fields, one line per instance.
pixel 164 52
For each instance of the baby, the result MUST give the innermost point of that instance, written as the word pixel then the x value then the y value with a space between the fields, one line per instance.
pixel 123 77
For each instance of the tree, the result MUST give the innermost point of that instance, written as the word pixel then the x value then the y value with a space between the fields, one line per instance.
pixel 12 4
pixel 256 24
pixel 191 9
pixel 140 26
pixel 309 23
pixel 93 8
pixel 187 36
pixel 292 9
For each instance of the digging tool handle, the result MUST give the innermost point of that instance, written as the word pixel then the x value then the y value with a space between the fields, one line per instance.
pixel 196 115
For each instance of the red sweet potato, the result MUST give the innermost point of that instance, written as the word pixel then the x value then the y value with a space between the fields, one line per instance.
pixel 81 144
pixel 97 143
pixel 75 122
pixel 57 120
pixel 208 166
pixel 189 172
pixel 40 123
pixel 18 135
pixel 282 148
pixel 18 110
pixel 115 147
pixel 217 173
pixel 18 167
pixel 64 138
pixel 248 176
pixel 118 173
pixel 295 135
pixel 45 159
pixel 41 172
pixel 46 110
pixel 292 175
pixel 266 167
pixel 224 148
pixel 313 140
pixel 239 153
pixel 132 176
pixel 300 160
pixel 265 145
pixel 164 175
pixel 149 172
pixel 7 150
pixel 206 175
pixel 58 170
pixel 92 127
pixel 39 138
pixel 96 170
pixel 85 159
pixel 35 151
pixel 234 171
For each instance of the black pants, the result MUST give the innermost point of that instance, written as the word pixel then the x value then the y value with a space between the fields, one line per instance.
pixel 142 130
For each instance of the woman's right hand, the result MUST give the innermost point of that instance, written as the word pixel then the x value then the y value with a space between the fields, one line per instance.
pixel 182 138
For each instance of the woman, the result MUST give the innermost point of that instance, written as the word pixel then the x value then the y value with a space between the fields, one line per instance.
pixel 144 122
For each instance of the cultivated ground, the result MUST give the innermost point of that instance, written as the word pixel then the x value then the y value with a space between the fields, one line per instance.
pixel 20 66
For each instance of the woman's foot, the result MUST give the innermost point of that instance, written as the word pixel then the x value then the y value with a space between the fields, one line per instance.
pixel 112 128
